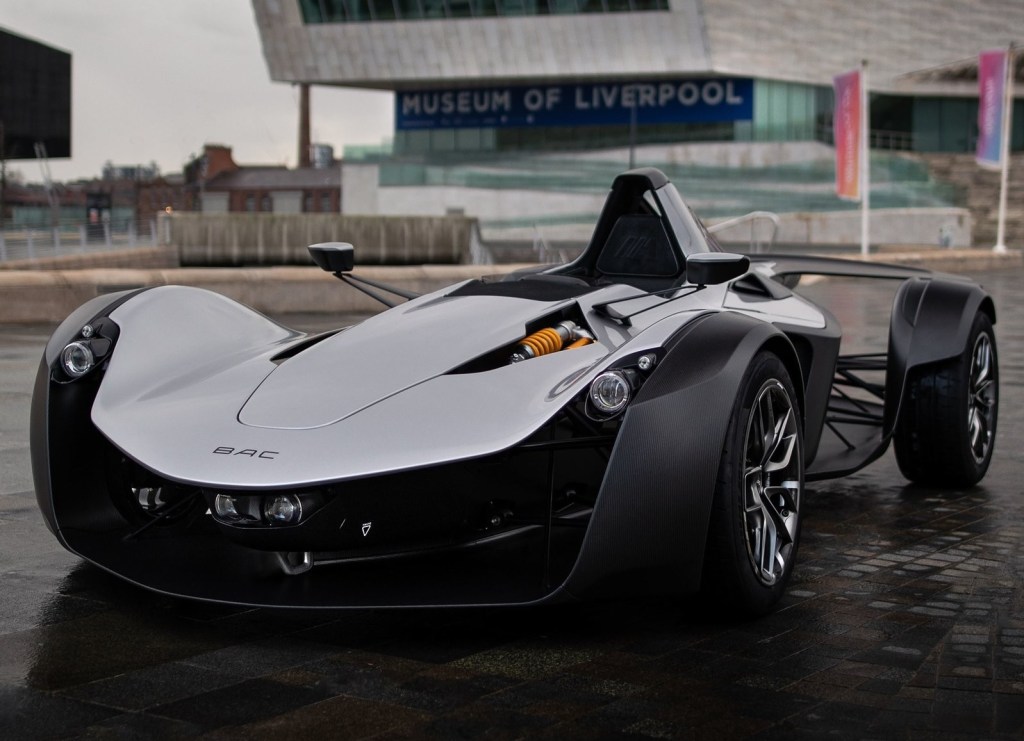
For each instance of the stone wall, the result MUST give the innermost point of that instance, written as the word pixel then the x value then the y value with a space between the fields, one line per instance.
pixel 143 257
pixel 281 239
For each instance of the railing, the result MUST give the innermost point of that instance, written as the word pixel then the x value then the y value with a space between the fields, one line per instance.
pixel 30 243
pixel 753 219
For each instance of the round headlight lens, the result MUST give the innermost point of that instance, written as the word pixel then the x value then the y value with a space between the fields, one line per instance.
pixel 77 359
pixel 225 507
pixel 610 392
pixel 282 509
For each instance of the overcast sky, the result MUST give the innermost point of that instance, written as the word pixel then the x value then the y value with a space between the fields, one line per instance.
pixel 153 80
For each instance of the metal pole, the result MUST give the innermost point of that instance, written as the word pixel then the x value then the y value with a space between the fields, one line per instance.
pixel 865 161
pixel 3 176
pixel 1004 151
pixel 632 137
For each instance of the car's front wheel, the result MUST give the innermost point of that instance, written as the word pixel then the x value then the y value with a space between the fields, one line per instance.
pixel 755 521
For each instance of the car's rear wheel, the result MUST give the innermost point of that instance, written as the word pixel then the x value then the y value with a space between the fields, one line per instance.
pixel 755 522
pixel 947 422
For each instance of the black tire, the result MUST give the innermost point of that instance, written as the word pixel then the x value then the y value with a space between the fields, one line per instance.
pixel 947 421
pixel 755 520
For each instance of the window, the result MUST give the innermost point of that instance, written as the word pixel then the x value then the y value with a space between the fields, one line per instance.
pixel 356 11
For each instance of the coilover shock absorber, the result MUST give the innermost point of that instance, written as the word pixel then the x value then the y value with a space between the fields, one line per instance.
pixel 564 335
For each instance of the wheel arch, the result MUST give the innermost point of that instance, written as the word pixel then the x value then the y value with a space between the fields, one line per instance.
pixel 650 523
pixel 930 322
pixel 46 417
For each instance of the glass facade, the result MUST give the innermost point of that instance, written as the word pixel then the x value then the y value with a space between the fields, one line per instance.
pixel 359 11
pixel 788 111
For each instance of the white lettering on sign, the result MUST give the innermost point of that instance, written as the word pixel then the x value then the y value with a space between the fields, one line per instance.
pixel 463 102
pixel 643 95
pixel 536 98
pixel 564 104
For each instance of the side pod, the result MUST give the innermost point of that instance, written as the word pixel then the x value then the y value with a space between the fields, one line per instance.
pixel 650 521
pixel 931 319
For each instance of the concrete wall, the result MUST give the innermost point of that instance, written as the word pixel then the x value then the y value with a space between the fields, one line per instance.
pixel 490 204
pixel 32 297
pixel 359 188
pixel 282 239
pixel 142 257
pixel 932 227
pixel 937 227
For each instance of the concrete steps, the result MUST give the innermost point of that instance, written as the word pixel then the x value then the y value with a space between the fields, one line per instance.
pixel 980 188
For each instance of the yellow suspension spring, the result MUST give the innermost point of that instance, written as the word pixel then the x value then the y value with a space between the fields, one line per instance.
pixel 545 341
pixel 581 342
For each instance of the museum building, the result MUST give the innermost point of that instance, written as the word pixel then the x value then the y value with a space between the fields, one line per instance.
pixel 497 76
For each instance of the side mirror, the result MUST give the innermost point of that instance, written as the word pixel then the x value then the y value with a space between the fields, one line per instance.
pixel 334 257
pixel 712 268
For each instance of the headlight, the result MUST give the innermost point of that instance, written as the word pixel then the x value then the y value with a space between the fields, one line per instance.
pixel 282 509
pixel 228 508
pixel 610 393
pixel 612 390
pixel 88 350
pixel 77 359
pixel 255 510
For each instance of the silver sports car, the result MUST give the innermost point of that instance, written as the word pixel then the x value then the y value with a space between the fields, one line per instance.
pixel 641 419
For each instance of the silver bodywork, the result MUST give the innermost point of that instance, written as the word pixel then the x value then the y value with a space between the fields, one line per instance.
pixel 199 399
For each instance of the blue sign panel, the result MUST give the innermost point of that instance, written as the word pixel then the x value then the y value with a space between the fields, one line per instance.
pixel 662 101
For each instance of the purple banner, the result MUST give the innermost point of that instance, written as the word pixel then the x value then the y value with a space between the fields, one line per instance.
pixel 846 123
pixel 991 99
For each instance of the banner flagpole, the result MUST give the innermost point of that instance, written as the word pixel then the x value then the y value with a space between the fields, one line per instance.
pixel 1004 151
pixel 865 161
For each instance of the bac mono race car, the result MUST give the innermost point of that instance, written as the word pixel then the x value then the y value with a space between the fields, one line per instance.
pixel 640 419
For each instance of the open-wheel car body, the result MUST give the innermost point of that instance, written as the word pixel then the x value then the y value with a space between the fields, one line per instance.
pixel 640 419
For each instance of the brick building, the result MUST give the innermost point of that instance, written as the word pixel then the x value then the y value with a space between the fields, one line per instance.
pixel 215 183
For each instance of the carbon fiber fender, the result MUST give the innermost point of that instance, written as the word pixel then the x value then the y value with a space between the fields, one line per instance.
pixel 650 521
pixel 931 319
pixel 74 402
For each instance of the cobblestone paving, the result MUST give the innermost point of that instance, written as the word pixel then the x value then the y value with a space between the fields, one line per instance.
pixel 904 620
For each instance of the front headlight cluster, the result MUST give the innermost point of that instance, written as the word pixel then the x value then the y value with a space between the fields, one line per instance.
pixel 610 393
pixel 87 350
pixel 267 510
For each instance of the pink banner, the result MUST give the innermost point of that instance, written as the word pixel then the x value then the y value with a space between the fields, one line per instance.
pixel 991 99
pixel 846 123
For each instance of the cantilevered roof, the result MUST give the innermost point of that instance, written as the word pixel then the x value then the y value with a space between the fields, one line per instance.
pixel 814 40
pixel 963 70
pixel 807 41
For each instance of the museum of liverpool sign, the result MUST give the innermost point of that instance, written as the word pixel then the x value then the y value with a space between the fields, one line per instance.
pixel 663 101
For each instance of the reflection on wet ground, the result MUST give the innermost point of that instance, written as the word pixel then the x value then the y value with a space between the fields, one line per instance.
pixel 905 620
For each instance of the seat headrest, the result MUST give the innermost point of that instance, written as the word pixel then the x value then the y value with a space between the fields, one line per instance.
pixel 638 246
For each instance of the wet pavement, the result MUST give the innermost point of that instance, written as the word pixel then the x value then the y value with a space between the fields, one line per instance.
pixel 905 619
